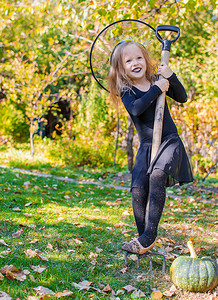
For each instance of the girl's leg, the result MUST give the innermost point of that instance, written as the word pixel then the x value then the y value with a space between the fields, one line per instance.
pixel 139 203
pixel 155 205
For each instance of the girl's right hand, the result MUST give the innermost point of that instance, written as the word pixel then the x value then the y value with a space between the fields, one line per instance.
pixel 163 84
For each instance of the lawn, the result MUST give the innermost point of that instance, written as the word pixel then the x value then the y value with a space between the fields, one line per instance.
pixel 67 236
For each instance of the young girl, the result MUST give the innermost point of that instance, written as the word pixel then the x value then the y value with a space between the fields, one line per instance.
pixel 132 79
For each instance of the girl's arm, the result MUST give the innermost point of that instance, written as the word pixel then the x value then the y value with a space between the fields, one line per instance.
pixel 137 106
pixel 176 90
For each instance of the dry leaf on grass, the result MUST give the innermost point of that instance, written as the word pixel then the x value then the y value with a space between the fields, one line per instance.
pixel 4 296
pixel 63 294
pixel 138 294
pixel 28 214
pixel 83 285
pixel 32 253
pixel 8 267
pixel 34 241
pixel 17 233
pixel 18 275
pixel 98 250
pixel 124 270
pixel 171 292
pixel 3 243
pixel 16 209
pixel 49 246
pixel 38 269
pixel 5 252
pixel 93 255
pixel 43 291
pixel 133 257
pixel 107 288
pixel 32 278
pixel 121 224
pixel 28 204
pixel 128 288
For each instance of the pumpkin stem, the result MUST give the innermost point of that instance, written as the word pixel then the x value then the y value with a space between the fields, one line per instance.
pixel 191 249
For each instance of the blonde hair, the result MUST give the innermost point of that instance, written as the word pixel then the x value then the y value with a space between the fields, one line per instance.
pixel 118 80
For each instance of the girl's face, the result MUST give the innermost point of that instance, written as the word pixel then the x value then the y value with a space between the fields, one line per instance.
pixel 134 63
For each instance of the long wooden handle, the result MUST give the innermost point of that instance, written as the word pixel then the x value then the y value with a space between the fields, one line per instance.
pixel 159 112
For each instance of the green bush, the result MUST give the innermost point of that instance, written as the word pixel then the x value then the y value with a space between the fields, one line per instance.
pixel 87 151
pixel 13 124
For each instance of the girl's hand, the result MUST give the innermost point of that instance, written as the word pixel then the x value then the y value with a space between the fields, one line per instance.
pixel 164 70
pixel 163 84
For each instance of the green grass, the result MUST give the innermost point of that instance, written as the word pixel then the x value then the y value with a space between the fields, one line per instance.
pixel 44 160
pixel 79 219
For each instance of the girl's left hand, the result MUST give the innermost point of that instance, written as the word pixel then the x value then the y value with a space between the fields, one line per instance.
pixel 164 70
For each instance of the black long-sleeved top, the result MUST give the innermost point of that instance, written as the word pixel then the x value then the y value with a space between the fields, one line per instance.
pixel 141 107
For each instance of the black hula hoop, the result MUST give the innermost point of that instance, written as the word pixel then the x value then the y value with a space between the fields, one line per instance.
pixel 92 47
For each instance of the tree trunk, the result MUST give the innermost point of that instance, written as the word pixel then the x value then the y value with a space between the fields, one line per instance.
pixel 32 149
pixel 130 144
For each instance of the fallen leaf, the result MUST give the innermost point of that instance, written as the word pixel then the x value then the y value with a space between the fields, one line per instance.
pixel 42 257
pixel 30 253
pixel 92 254
pixel 28 204
pixel 38 269
pixel 43 291
pixel 17 234
pixel 34 241
pixel 138 294
pixel 107 288
pixel 1 276
pixel 49 246
pixel 63 294
pixel 5 252
pixel 156 295
pixel 168 249
pixel 133 257
pixel 8 268
pixel 16 209
pixel 98 250
pixel 124 270
pixel 32 278
pixel 93 262
pixel 121 224
pixel 4 296
pixel 101 286
pixel 169 293
pixel 70 250
pixel 83 285
pixel 19 275
pixel 3 243
pixel 128 288
pixel 77 241
pixel 28 214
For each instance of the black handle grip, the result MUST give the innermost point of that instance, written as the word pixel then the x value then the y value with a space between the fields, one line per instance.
pixel 167 43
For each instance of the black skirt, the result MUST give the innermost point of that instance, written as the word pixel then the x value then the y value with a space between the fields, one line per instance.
pixel 171 158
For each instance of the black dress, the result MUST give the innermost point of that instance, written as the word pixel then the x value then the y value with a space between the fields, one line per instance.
pixel 171 156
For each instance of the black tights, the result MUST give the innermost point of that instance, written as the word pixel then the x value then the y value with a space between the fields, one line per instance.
pixel 148 204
